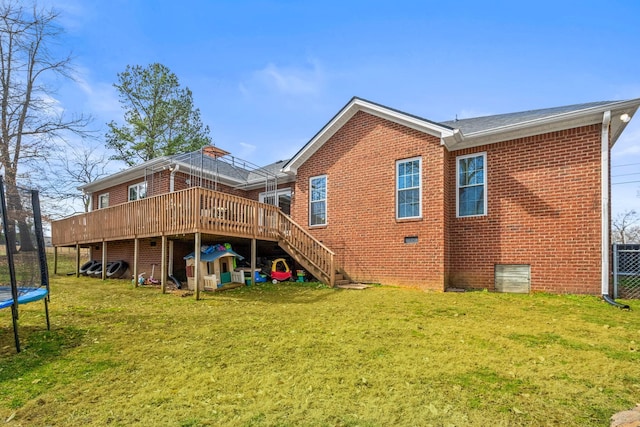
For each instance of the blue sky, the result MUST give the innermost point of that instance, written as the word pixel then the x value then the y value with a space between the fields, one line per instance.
pixel 267 75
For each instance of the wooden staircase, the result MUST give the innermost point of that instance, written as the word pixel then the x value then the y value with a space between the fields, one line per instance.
pixel 309 252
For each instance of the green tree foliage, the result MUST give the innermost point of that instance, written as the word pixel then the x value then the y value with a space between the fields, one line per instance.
pixel 160 118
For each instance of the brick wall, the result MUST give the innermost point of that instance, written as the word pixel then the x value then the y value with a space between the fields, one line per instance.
pixel 543 210
pixel 360 164
pixel 149 253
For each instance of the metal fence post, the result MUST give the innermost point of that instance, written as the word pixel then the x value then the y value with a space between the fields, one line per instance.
pixel 615 270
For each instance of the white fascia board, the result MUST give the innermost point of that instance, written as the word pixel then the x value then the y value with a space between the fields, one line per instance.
pixel 259 183
pixel 347 113
pixel 554 123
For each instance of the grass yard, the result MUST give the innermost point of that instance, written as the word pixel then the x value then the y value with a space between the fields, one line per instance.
pixel 292 354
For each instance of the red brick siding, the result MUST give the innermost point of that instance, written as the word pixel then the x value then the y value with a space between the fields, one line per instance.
pixel 360 164
pixel 149 253
pixel 543 210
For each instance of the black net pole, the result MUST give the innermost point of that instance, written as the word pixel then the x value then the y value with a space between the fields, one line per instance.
pixel 10 246
pixel 42 254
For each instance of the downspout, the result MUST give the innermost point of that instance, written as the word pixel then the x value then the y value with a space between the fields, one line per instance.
pixel 172 178
pixel 605 231
pixel 604 190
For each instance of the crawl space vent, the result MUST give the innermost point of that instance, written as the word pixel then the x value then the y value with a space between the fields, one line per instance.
pixel 513 278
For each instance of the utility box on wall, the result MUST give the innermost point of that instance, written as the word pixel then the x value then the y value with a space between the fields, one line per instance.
pixel 513 278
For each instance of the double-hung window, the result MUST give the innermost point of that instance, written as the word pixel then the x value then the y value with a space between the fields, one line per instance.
pixel 138 191
pixel 408 188
pixel 471 185
pixel 103 201
pixel 318 200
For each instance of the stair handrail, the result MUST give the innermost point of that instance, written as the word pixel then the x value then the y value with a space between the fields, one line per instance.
pixel 286 224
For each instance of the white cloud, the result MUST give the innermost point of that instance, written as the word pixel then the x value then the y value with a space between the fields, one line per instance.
pixel 52 105
pixel 101 98
pixel 72 12
pixel 287 80
pixel 246 150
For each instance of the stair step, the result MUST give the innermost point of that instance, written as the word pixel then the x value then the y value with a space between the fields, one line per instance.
pixel 357 286
pixel 342 282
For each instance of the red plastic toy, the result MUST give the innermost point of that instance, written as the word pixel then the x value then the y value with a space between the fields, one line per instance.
pixel 279 276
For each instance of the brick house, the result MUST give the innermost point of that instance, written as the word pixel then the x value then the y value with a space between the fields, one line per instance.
pixel 514 202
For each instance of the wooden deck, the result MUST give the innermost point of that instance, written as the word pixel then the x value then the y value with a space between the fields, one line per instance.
pixel 197 210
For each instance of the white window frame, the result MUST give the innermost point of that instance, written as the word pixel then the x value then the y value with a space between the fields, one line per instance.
pixel 484 184
pixel 102 197
pixel 280 192
pixel 137 186
pixel 419 187
pixel 326 185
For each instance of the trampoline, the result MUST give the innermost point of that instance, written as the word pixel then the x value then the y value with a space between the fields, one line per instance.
pixel 24 277
pixel 25 295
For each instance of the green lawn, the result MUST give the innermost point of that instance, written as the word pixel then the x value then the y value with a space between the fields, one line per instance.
pixel 289 355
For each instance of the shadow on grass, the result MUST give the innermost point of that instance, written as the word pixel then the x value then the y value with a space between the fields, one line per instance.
pixel 38 348
pixel 280 293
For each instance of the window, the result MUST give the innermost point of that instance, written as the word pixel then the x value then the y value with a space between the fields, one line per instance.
pixel 318 200
pixel 284 199
pixel 408 189
pixel 138 191
pixel 471 197
pixel 103 201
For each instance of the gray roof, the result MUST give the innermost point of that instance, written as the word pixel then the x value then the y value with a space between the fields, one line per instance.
pixel 479 124
pixel 270 169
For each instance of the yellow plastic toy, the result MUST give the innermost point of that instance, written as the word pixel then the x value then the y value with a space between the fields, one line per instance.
pixel 279 276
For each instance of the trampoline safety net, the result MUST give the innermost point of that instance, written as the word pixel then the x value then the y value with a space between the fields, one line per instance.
pixel 23 265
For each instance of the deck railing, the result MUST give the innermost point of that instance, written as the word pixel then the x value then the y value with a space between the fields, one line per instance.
pixel 197 210
pixel 187 211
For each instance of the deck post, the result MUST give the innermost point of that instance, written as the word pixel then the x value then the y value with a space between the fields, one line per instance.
pixel 136 247
pixel 253 261
pixel 163 266
pixel 196 267
pixel 78 260
pixel 55 260
pixel 104 260
pixel 332 271
pixel 170 262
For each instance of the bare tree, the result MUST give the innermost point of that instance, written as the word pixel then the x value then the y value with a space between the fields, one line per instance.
pixel 29 118
pixel 626 227
pixel 73 168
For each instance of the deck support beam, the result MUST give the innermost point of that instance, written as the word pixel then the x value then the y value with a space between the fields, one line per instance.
pixel 163 266
pixel 136 248
pixel 253 261
pixel 55 260
pixel 196 267
pixel 170 262
pixel 78 260
pixel 104 260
